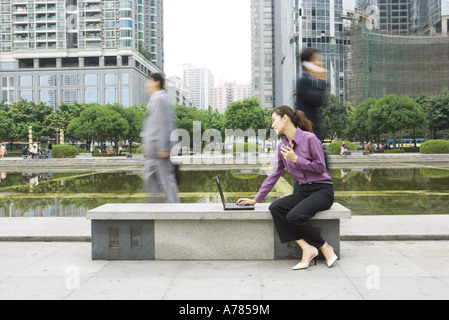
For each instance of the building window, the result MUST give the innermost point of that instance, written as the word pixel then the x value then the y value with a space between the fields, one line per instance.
pixel 125 79
pixel 47 81
pixel 7 65
pixel 70 80
pixel 91 96
pixel 48 97
pixel 26 81
pixel 110 96
pixel 27 95
pixel 125 97
pixel 91 79
pixel 110 79
pixel 70 96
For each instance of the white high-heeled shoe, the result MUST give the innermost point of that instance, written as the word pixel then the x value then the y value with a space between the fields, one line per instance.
pixel 305 265
pixel 331 261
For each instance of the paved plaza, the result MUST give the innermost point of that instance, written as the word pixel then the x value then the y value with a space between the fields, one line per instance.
pixel 59 270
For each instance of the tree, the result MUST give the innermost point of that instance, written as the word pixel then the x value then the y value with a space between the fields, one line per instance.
pixel 185 117
pixel 27 113
pixel 6 126
pixel 334 117
pixel 396 113
pixel 135 116
pixel 111 125
pixel 437 111
pixel 360 120
pixel 212 119
pixel 246 114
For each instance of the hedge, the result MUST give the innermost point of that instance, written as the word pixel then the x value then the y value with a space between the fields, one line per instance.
pixel 63 151
pixel 335 147
pixel 245 146
pixel 435 147
pixel 395 151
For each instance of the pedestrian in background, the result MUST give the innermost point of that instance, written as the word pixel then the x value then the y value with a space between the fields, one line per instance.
pixel 2 151
pixel 33 151
pixel 49 150
pixel 311 88
pixel 159 171
pixel 310 91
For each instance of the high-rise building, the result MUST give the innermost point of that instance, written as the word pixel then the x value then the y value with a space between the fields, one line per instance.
pixel 200 83
pixel 74 51
pixel 177 93
pixel 230 92
pixel 311 23
pixel 405 17
pixel 430 17
pixel 395 16
pixel 262 52
pixel 154 31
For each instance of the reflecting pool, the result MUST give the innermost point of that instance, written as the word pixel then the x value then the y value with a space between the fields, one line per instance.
pixel 364 191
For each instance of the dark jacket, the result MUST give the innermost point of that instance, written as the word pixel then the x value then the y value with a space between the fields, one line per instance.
pixel 310 93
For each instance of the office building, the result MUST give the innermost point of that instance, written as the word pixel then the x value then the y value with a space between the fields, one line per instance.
pixel 262 52
pixel 311 23
pixel 177 93
pixel 395 16
pixel 154 31
pixel 430 17
pixel 228 93
pixel 200 83
pixel 69 51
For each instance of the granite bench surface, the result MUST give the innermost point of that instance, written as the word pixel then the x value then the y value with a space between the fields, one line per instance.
pixel 197 211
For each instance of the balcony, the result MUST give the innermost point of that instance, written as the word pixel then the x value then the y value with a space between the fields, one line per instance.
pixel 20 10
pixel 21 46
pixel 93 8
pixel 93 16
pixel 93 35
pixel 18 29
pixel 93 26
pixel 20 20
pixel 20 37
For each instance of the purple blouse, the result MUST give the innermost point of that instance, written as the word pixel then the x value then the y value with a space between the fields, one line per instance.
pixel 310 167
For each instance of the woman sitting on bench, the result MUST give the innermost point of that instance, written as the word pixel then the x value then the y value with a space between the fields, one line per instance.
pixel 301 153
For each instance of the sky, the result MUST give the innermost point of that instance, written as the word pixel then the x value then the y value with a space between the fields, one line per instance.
pixel 214 34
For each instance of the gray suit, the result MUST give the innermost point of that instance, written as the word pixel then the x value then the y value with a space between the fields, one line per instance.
pixel 158 173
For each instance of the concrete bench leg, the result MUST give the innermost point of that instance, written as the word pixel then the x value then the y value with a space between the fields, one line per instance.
pixel 122 240
pixel 329 231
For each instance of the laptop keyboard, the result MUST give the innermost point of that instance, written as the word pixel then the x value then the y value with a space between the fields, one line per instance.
pixel 235 205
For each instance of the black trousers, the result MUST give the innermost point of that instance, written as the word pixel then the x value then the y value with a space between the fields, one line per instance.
pixel 291 214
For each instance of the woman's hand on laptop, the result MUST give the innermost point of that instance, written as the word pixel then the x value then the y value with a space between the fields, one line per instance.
pixel 245 201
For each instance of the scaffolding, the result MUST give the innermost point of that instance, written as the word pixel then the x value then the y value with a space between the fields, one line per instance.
pixel 403 65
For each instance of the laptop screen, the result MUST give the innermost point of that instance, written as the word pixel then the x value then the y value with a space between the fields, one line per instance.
pixel 221 192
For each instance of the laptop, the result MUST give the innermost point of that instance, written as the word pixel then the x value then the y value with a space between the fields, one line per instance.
pixel 231 206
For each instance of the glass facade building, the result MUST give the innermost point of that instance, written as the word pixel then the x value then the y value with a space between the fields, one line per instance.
pixel 321 25
pixel 311 23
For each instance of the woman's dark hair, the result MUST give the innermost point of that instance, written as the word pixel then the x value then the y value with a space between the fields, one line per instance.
pixel 308 53
pixel 158 77
pixel 298 118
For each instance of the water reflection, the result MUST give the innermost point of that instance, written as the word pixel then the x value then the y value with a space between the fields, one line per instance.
pixel 364 191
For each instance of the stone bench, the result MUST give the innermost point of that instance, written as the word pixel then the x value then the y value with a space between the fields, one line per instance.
pixel 198 232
